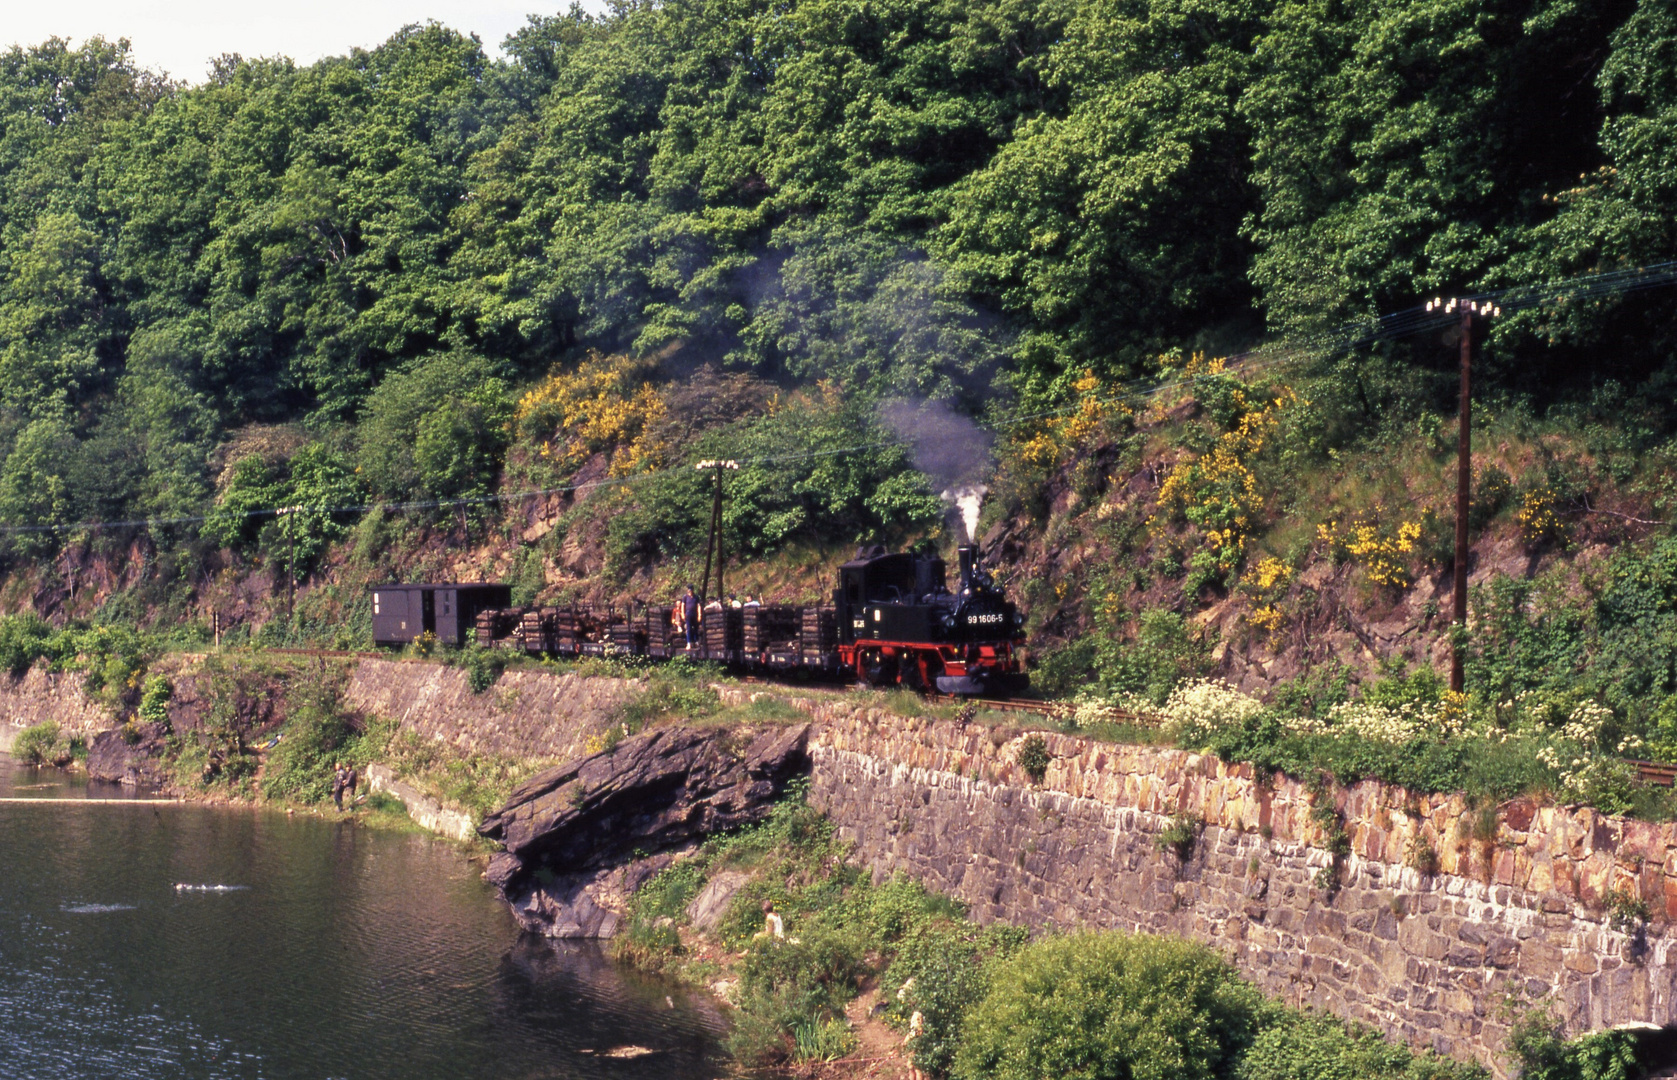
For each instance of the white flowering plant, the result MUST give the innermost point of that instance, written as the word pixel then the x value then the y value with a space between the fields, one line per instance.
pixel 1568 744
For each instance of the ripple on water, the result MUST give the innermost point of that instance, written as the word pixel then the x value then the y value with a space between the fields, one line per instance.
pixel 304 950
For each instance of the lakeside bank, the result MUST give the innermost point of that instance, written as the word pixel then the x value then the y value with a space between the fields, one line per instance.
pixel 1318 894
pixel 306 947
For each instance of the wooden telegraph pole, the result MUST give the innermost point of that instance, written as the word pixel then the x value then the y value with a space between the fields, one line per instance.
pixel 291 563
pixel 1464 476
pixel 713 539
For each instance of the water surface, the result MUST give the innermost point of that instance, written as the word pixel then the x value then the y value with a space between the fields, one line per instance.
pixel 308 948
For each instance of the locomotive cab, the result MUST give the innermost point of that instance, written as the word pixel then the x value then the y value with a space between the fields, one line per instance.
pixel 900 623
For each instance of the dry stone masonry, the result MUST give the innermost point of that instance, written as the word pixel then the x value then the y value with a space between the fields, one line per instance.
pixel 39 695
pixel 1423 929
pixel 524 714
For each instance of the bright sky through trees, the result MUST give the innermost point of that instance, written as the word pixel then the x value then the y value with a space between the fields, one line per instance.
pixel 180 36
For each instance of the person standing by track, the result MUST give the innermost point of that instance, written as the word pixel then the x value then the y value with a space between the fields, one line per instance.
pixel 692 616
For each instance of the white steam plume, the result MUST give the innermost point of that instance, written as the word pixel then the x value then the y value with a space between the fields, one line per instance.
pixel 967 499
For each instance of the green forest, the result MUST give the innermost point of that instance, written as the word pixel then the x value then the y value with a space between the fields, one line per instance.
pixel 972 203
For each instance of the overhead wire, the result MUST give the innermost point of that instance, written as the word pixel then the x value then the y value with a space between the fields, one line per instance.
pixel 1394 325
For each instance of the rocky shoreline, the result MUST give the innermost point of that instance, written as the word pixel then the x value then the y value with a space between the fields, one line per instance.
pixel 582 836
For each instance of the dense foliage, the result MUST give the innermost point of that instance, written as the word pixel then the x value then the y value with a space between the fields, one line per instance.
pixel 921 199
pixel 990 1003
pixel 1111 1005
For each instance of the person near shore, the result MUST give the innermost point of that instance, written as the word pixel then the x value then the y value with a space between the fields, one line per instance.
pixel 773 925
pixel 351 780
pixel 916 1026
pixel 692 616
pixel 340 780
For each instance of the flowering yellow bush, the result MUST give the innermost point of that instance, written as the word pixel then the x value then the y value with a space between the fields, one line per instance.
pixel 1537 517
pixel 1271 572
pixel 1383 555
pixel 1265 582
pixel 1047 443
pixel 1218 492
pixel 606 404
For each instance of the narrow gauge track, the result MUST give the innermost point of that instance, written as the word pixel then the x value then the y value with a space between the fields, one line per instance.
pixel 1659 773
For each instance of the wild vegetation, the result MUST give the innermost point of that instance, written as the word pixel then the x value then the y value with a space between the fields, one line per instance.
pixel 466 316
pixel 993 1003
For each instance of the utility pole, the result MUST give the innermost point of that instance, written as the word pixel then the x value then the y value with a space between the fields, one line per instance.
pixel 713 539
pixel 291 563
pixel 1464 476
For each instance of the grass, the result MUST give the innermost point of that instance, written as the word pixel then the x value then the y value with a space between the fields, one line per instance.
pixel 844 930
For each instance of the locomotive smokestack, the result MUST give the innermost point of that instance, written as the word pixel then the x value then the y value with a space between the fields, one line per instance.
pixel 968 554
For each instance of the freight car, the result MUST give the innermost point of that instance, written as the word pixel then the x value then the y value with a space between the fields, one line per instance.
pixel 404 613
pixel 893 621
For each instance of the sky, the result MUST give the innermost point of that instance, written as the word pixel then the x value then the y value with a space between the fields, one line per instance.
pixel 180 36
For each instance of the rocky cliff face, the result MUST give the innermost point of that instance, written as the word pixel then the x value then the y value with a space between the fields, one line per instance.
pixel 113 757
pixel 570 832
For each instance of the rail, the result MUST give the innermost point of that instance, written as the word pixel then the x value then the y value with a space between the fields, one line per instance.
pixel 1655 772
pixel 1659 773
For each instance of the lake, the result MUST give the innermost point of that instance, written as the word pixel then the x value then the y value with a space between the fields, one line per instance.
pixel 305 948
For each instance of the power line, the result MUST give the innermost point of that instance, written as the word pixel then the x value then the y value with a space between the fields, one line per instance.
pixel 1399 324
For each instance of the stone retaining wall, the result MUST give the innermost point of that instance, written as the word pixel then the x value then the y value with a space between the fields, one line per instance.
pixel 524 714
pixel 426 812
pixel 39 695
pixel 1520 904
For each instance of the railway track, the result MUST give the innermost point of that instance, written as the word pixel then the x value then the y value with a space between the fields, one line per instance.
pixel 1659 773
pixel 1655 772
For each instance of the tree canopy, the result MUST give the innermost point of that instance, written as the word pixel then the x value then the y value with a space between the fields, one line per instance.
pixel 946 199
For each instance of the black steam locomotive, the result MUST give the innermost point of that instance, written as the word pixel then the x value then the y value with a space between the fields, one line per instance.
pixel 893 621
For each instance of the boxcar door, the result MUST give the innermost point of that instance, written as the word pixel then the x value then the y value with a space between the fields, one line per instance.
pixel 450 616
pixel 428 611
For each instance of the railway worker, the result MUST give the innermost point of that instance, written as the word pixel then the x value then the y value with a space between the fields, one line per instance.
pixel 692 616
pixel 752 601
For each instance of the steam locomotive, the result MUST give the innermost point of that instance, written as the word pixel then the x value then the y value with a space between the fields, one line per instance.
pixel 893 621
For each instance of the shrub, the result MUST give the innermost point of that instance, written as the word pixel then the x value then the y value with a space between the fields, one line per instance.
pixel 793 983
pixel 1110 1005
pixel 1179 836
pixel 943 972
pixel 1537 1045
pixel 1197 711
pixel 1304 1046
pixel 24 639
pixel 154 700
pixel 483 666
pixel 1033 758
pixel 41 745
pixel 318 735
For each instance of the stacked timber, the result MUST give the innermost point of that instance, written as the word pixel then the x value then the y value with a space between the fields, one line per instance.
pixel 819 630
pixel 624 634
pixel 660 632
pixel 724 632
pixel 771 627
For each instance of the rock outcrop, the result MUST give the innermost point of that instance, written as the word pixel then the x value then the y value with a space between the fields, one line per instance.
pixel 570 831
pixel 132 757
